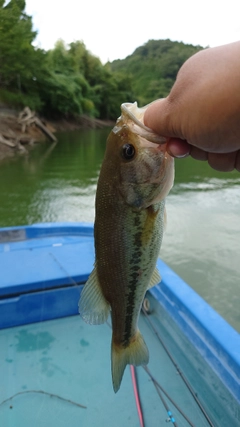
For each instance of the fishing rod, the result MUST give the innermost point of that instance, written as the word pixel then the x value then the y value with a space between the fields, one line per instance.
pixel 169 413
pixel 136 395
pixel 158 388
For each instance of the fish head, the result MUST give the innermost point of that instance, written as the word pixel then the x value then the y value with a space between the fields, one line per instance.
pixel 143 169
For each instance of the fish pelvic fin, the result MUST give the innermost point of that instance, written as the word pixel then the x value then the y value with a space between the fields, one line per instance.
pixel 135 354
pixel 155 279
pixel 93 307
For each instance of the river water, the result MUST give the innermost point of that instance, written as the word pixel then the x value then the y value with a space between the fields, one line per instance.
pixel 202 242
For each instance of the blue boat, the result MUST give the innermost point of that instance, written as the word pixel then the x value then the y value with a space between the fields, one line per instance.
pixel 55 369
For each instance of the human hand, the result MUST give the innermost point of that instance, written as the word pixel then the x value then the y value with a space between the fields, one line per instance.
pixel 201 115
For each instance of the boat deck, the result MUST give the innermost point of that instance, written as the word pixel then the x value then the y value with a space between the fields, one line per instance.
pixel 44 256
pixel 47 362
pixel 52 362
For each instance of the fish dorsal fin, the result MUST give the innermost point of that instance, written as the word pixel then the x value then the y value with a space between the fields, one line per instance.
pixel 155 279
pixel 92 305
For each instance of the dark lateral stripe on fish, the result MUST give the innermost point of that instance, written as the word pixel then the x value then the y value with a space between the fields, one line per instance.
pixel 132 286
pixel 129 310
pixel 135 263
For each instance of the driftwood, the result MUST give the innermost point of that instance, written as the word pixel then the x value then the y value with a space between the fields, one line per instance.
pixel 27 118
pixel 44 129
pixel 16 141
pixel 5 141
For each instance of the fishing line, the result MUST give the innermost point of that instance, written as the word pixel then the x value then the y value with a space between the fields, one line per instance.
pixel 46 393
pixel 63 269
pixel 194 395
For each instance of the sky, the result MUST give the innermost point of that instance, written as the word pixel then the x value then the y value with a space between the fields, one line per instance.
pixel 113 29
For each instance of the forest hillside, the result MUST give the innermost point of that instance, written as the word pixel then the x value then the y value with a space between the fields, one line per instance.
pixel 70 81
pixel 153 67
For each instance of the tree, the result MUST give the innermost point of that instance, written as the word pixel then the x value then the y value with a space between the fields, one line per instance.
pixel 16 50
pixel 65 90
pixel 58 58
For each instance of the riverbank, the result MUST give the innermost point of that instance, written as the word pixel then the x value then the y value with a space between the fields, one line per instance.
pixel 11 128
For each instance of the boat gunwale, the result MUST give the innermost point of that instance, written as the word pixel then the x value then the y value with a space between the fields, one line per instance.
pixel 44 230
pixel 215 339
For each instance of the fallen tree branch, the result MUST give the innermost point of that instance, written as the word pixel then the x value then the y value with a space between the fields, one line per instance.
pixel 44 129
pixel 28 118
pixel 7 142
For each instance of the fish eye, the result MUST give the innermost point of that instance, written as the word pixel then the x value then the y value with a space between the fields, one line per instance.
pixel 128 151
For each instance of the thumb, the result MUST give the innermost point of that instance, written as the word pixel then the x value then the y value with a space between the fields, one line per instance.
pixel 156 117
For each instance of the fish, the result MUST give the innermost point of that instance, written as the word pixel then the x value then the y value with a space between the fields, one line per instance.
pixel 136 175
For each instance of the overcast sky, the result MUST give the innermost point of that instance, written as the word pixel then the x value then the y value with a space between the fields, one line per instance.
pixel 113 29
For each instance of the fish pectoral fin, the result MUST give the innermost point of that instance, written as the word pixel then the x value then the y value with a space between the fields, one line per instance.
pixel 135 354
pixel 155 279
pixel 93 307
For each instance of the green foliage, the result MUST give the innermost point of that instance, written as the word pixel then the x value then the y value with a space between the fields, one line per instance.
pixel 111 90
pixel 18 99
pixel 69 80
pixel 63 95
pixel 16 50
pixel 58 59
pixel 154 67
pixel 65 90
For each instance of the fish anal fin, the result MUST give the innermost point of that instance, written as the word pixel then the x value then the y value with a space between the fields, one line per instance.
pixel 155 279
pixel 93 307
pixel 135 354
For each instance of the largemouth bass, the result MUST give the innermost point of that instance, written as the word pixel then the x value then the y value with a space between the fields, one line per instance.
pixel 135 178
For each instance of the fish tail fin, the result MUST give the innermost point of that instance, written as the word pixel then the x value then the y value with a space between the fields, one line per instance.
pixel 134 354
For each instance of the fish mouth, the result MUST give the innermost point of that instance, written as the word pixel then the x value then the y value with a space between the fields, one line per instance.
pixel 133 117
pixel 157 147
